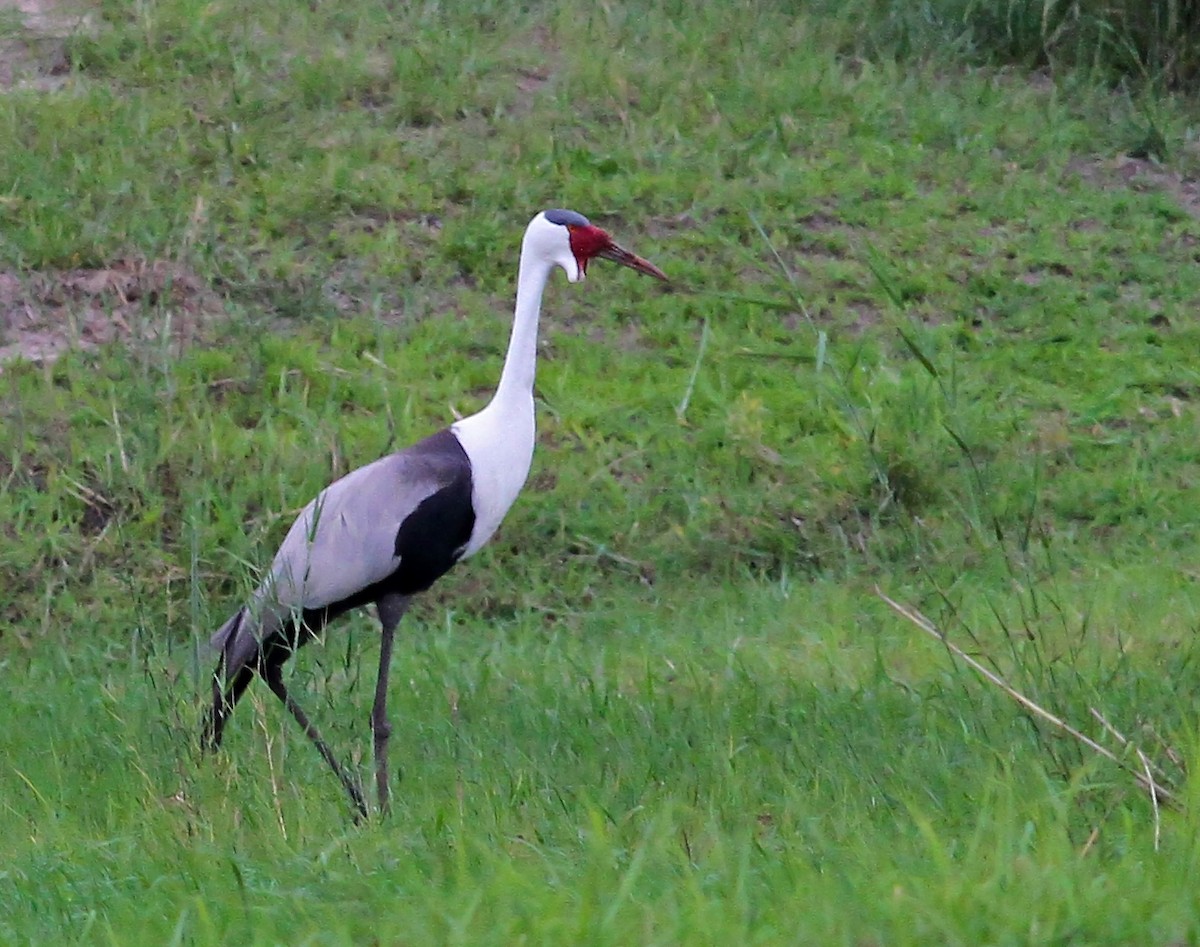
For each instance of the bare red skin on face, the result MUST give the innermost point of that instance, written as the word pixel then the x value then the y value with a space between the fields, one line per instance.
pixel 586 242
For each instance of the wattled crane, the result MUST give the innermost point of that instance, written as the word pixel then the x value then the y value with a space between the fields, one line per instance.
pixel 386 531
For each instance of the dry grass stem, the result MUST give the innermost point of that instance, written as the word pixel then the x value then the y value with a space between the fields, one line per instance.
pixel 1146 779
pixel 1091 840
pixel 275 794
pixel 1153 798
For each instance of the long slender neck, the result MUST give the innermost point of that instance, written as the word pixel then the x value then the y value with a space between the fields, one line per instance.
pixel 520 364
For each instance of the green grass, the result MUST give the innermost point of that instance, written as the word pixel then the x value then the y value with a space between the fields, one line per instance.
pixel 930 332
pixel 1147 43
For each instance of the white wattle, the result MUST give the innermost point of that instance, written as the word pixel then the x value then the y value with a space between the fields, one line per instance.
pixel 499 439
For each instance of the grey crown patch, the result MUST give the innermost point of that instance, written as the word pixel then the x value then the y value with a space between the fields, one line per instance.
pixel 567 218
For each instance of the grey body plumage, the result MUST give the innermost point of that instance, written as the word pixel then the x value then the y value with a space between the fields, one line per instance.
pixel 371 533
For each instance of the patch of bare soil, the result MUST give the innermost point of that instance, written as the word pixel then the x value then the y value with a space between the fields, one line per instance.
pixel 43 314
pixel 33 41
pixel 531 82
pixel 1143 175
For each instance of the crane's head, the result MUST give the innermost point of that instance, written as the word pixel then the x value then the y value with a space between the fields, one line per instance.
pixel 568 240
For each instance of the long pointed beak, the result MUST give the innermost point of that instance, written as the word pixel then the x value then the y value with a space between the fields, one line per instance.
pixel 619 254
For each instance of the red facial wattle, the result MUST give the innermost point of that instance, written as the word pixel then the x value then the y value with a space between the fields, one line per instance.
pixel 588 242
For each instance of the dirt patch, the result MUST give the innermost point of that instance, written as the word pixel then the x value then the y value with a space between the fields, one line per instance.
pixel 44 314
pixel 1140 174
pixel 531 81
pixel 33 41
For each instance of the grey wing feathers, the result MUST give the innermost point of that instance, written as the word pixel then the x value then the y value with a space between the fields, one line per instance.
pixel 238 639
pixel 223 633
pixel 345 539
pixel 341 543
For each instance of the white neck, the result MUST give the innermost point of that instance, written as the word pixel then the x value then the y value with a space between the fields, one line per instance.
pixel 499 439
pixel 520 364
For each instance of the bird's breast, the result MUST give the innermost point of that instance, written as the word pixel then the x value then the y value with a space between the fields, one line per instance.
pixel 499 446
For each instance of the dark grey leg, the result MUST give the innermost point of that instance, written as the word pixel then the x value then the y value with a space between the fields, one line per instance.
pixel 223 704
pixel 273 674
pixel 391 610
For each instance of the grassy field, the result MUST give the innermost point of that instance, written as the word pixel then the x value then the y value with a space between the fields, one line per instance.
pixel 932 331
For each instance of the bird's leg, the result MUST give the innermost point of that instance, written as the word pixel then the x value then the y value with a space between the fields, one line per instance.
pixel 380 728
pixel 391 609
pixel 273 674
pixel 223 704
